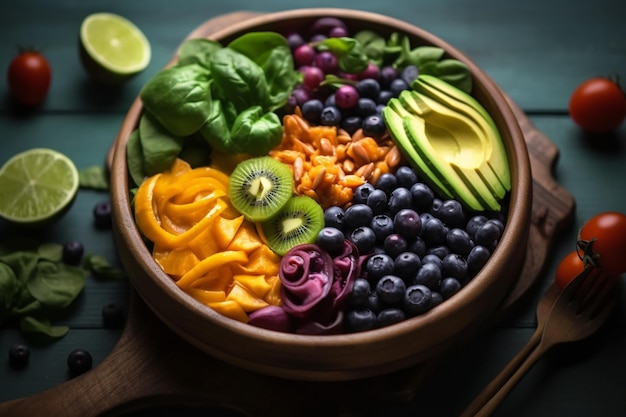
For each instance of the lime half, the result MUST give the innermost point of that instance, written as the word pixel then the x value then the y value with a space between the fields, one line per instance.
pixel 37 186
pixel 112 48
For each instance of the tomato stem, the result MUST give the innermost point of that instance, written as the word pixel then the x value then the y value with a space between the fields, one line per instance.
pixel 589 257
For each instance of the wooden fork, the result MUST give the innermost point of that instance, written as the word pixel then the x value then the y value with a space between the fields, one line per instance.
pixel 572 314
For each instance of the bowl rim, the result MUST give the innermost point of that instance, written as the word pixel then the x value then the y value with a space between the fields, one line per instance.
pixel 516 230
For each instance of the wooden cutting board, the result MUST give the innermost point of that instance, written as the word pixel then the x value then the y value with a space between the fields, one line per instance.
pixel 151 365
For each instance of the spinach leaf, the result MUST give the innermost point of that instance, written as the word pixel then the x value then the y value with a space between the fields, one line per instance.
pixel 55 284
pixel 8 288
pixel 256 132
pixel 373 45
pixel 101 268
pixel 258 46
pixel 216 130
pixel 160 148
pixel 134 158
pixel 41 331
pixel 179 98
pixel 197 51
pixel 454 72
pixel 280 75
pixel 94 177
pixel 239 79
pixel 351 56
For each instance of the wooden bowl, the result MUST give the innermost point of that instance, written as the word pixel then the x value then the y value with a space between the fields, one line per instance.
pixel 347 356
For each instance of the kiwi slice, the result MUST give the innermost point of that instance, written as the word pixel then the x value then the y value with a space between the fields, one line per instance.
pixel 298 222
pixel 259 187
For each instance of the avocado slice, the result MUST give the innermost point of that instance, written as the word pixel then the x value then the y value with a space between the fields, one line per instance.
pixel 462 102
pixel 451 145
pixel 393 114
pixel 470 147
pixel 399 120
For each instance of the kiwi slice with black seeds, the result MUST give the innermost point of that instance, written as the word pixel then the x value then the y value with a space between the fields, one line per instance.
pixel 299 221
pixel 260 187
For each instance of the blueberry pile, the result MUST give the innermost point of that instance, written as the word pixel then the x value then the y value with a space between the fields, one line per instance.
pixel 417 248
pixel 359 99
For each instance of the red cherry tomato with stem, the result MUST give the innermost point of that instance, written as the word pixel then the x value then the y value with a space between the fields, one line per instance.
pixel 29 76
pixel 602 242
pixel 598 105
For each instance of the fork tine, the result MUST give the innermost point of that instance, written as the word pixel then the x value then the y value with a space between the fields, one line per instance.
pixel 600 296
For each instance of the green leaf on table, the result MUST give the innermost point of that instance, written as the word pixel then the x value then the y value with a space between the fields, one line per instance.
pixel 50 251
pixel 101 268
pixel 56 284
pixel 94 177
pixel 8 288
pixel 41 331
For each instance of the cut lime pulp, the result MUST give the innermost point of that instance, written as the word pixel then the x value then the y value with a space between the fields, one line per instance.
pixel 37 186
pixel 112 48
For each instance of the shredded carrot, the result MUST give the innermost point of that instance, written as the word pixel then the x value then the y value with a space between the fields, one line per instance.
pixel 328 164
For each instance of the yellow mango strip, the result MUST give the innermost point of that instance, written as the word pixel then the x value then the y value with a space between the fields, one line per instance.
pixel 262 261
pixel 246 238
pixel 273 296
pixel 217 280
pixel 225 230
pixel 214 261
pixel 246 299
pixel 186 215
pixel 175 262
pixel 232 309
pixel 255 284
pixel 207 297
pixel 204 244
pixel 145 215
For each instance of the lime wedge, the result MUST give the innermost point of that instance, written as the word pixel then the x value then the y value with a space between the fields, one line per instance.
pixel 112 48
pixel 37 186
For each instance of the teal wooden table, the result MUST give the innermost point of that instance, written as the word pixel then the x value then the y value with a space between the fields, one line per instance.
pixel 537 51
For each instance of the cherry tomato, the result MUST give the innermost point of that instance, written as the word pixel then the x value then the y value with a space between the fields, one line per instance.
pixel 602 241
pixel 570 266
pixel 598 105
pixel 29 78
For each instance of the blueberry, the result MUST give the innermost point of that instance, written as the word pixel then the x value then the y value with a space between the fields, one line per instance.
pixel 368 87
pixel 390 316
pixel 102 215
pixel 331 240
pixel 487 235
pixel 399 199
pixel 113 316
pixel 73 252
pixel 387 182
pixel 383 97
pixel 79 361
pixel 374 125
pixel 436 298
pixel 358 215
pixel 417 246
pixel 498 223
pixel 362 192
pixel 330 116
pixel 377 200
pixel 459 241
pixel 383 226
pixel 474 223
pixel 390 289
pixel 406 265
pixel 423 196
pixel 365 107
pixel 449 286
pixel 409 74
pixel 379 265
pixel 395 244
pixel 397 86
pixel 387 75
pixel 364 239
pixel 407 223
pixel 374 303
pixel 428 275
pixel 440 251
pixel 19 355
pixel 454 266
pixel 477 258
pixel 434 231
pixel 351 124
pixel 334 217
pixel 437 203
pixel 360 320
pixel 406 176
pixel 451 213
pixel 417 300
pixel 312 110
pixel 360 293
